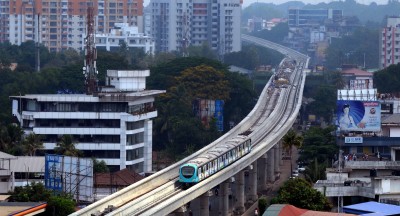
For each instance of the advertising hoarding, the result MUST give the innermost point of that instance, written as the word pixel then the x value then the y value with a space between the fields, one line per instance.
pixel 356 115
pixel 72 175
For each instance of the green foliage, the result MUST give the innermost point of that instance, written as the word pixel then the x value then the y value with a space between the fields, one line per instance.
pixel 262 204
pixel 252 56
pixel 299 192
pixel 32 143
pixel 100 166
pixel 292 139
pixel 387 80
pixel 276 34
pixel 186 79
pixel 203 51
pixel 261 10
pixel 204 82
pixel 322 89
pixel 60 205
pixel 10 139
pixel 66 146
pixel 34 192
pixel 350 49
pixel 319 148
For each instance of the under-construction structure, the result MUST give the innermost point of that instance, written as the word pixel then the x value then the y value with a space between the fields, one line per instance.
pixel 89 69
pixel 71 175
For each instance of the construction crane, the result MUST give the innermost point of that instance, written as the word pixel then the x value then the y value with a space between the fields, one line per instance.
pixel 89 69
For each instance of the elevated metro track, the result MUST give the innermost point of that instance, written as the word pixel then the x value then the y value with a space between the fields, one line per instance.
pixel 273 115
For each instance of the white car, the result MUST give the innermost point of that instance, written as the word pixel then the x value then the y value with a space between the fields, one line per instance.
pixel 295 173
pixel 301 168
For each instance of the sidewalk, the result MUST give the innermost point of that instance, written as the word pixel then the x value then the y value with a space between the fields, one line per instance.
pixel 285 173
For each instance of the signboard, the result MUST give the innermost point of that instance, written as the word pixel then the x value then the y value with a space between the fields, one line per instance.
pixel 356 115
pixel 72 175
pixel 353 140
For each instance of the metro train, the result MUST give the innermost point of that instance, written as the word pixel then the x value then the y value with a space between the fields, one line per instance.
pixel 214 160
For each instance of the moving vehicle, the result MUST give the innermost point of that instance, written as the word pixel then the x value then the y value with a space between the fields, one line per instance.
pixel 214 160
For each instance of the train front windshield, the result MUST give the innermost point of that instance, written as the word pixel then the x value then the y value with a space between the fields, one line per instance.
pixel 187 171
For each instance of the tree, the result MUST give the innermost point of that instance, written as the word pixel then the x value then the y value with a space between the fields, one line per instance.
pixel 60 205
pixel 66 146
pixel 387 79
pixel 32 143
pixel 318 151
pixel 290 140
pixel 10 137
pixel 33 192
pixel 299 192
pixel 100 166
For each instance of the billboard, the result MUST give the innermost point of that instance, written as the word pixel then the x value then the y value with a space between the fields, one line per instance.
pixel 72 175
pixel 354 115
pixel 206 109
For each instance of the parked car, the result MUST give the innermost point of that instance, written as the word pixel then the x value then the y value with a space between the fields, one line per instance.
pixel 301 168
pixel 295 173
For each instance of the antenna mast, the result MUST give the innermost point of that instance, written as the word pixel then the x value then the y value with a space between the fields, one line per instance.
pixel 89 69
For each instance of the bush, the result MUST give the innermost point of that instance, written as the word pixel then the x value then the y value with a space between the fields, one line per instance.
pixel 60 206
pixel 262 204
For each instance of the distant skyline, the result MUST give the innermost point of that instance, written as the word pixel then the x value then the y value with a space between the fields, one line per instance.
pixel 246 3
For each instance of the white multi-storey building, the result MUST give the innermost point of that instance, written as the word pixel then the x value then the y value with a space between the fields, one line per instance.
pixel 178 24
pixel 124 33
pixel 113 124
pixel 390 42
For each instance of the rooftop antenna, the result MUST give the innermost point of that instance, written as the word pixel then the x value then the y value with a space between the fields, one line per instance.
pixel 89 69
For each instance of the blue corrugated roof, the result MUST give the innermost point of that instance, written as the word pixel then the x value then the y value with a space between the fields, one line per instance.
pixel 372 207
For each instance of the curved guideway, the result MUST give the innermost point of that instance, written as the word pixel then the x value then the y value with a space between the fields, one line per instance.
pixel 272 116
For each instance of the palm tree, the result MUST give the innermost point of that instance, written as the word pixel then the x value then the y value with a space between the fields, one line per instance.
pixel 291 139
pixel 66 146
pixel 32 143
pixel 10 137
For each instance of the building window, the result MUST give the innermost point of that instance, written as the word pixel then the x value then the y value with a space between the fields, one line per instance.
pixel 132 139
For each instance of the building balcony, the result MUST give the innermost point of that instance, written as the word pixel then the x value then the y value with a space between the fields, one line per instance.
pixel 5 172
pixel 379 165
pixel 335 189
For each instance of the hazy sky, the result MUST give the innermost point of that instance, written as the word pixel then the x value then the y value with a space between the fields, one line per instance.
pixel 248 2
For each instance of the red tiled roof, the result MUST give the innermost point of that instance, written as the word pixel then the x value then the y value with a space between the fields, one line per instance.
pixel 122 178
pixel 290 210
pixel 357 72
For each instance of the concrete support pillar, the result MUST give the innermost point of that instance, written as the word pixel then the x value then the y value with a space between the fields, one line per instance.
pixel 277 158
pixel 239 207
pixel 252 188
pixel 271 166
pixel 262 172
pixel 205 204
pixel 180 211
pixel 280 153
pixel 224 198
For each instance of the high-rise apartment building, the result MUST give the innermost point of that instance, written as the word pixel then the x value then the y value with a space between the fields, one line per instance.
pixel 178 24
pixel 60 24
pixel 390 43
